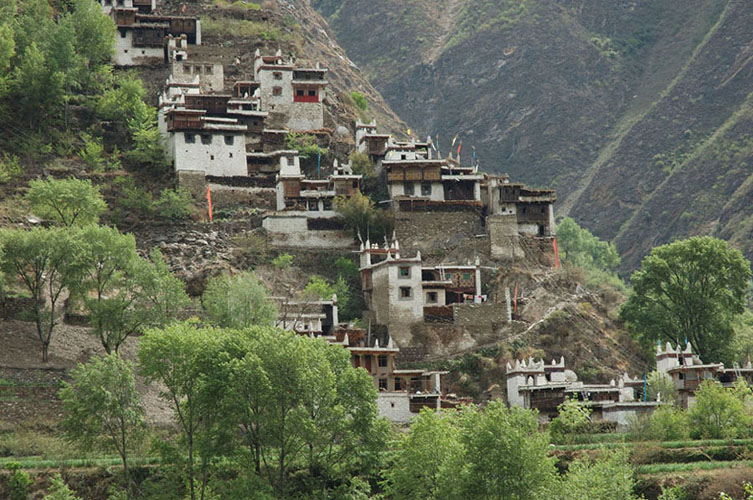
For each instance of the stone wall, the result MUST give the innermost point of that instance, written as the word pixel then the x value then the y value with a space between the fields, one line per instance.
pixel 442 236
pixel 504 237
pixel 293 232
pixel 395 406
pixel 230 196
pixel 485 316
pixel 193 181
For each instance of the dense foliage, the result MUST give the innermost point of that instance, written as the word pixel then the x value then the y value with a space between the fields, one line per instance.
pixel 689 291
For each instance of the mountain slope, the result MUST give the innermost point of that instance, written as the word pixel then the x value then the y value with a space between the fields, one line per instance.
pixel 616 104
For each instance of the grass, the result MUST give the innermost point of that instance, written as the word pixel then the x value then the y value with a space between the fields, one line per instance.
pixel 228 27
pixel 606 443
pixel 694 466
pixel 47 463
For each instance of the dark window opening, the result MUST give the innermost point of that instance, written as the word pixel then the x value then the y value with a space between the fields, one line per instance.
pixel 299 92
pixel 383 361
pixel 405 292
pixel 404 272
pixel 327 204
pixel 313 206
pixel 206 139
pixel 432 297
pixel 425 189
pixel 276 90
pixel 398 384
pixel 190 138
pixel 410 189
pixel 229 139
pixel 277 75
pixel 312 93
pixel 382 384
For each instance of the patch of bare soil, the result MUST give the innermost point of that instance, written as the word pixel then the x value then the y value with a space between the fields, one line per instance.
pixel 28 387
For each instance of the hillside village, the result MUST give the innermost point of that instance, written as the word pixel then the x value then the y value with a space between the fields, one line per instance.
pixel 451 287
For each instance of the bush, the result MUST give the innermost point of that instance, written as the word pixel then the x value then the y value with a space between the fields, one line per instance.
pixel 668 424
pixel 92 153
pixel 174 204
pixel 359 100
pixel 282 261
pixel 19 483
pixel 307 145
pixel 59 490
pixel 573 418
pixel 718 413
pixel 361 164
pixel 10 167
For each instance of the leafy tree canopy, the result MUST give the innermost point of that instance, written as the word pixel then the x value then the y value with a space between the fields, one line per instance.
pixel 690 290
pixel 68 202
pixel 238 301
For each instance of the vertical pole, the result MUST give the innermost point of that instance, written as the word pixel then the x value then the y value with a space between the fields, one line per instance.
pixel 645 395
pixel 318 160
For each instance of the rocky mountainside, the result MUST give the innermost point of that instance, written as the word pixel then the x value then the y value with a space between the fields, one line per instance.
pixel 635 110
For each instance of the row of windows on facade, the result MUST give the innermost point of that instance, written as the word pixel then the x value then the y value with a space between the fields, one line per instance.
pixel 404 273
pixel 410 188
pixel 206 139
pixel 197 69
pixel 298 92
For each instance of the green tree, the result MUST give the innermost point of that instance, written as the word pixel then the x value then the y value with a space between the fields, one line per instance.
pixel 573 417
pixel 660 385
pixel 717 413
pixel 581 248
pixel 68 202
pixel 667 423
pixel 424 457
pixel 506 456
pixel 148 148
pixel 238 301
pixel 610 476
pixel 320 288
pixel 103 407
pixel 37 87
pixel 175 357
pixel 689 290
pixel 95 33
pixel 361 164
pixel 123 101
pixel 46 262
pixel 123 292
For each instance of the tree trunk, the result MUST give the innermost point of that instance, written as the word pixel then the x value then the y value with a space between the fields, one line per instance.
pixel 190 466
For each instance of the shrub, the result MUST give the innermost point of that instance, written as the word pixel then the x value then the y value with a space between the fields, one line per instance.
pixel 19 483
pixel 359 100
pixel 307 145
pixel 92 153
pixel 717 413
pixel 668 424
pixel 59 490
pixel 282 261
pixel 174 204
pixel 10 167
pixel 573 418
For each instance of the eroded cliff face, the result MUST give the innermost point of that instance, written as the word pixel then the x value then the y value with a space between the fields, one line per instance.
pixel 634 110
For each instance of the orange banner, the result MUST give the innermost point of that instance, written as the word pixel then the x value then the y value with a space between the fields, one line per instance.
pixel 556 254
pixel 209 201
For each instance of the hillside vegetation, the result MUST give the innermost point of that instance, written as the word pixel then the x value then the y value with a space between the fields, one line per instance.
pixel 637 112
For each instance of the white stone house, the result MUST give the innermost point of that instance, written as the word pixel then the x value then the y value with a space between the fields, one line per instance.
pixel 142 39
pixel 398 289
pixel 291 94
